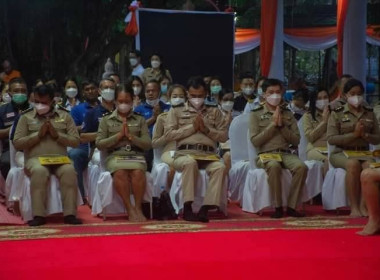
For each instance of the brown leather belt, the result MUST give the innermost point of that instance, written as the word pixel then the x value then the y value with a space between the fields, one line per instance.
pixel 354 148
pixel 285 151
pixel 127 148
pixel 197 147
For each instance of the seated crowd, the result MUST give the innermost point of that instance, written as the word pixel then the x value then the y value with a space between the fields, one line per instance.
pixel 190 126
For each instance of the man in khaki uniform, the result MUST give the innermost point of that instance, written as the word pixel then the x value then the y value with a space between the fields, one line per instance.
pixel 273 129
pixel 46 131
pixel 197 129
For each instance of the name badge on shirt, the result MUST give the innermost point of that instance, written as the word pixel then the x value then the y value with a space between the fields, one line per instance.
pixel 59 120
pixel 10 114
pixel 346 119
pixel 264 117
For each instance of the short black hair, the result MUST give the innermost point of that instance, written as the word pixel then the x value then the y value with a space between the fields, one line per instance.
pixel 18 80
pixel 136 52
pixel 246 75
pixel 89 82
pixel 301 94
pixel 352 83
pixel 124 88
pixel 154 82
pixel 272 82
pixel 44 90
pixel 196 82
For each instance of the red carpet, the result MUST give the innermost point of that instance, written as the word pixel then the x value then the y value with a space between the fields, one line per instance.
pixel 277 254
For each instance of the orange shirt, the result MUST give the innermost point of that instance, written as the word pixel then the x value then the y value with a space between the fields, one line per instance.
pixel 14 74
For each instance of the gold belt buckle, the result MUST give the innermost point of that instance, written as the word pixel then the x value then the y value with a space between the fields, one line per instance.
pixel 128 147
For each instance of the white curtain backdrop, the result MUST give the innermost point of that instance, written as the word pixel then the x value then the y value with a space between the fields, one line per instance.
pixel 310 43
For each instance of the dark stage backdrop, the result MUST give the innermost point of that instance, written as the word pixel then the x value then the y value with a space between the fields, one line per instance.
pixel 191 43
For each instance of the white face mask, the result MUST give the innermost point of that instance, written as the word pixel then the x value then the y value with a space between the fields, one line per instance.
pixel 227 105
pixel 108 94
pixel 153 102
pixel 259 91
pixel 296 109
pixel 355 100
pixel 155 63
pixel 248 90
pixel 321 104
pixel 71 92
pixel 136 90
pixel 133 61
pixel 274 99
pixel 124 108
pixel 7 98
pixel 197 102
pixel 177 100
pixel 41 109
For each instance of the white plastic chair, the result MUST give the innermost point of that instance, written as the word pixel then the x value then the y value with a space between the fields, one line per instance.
pixel 159 173
pixel 239 157
pixel 334 186
pixel 2 181
pixel 176 194
pixel 256 192
pixel 106 200
pixel 91 176
pixel 18 186
pixel 314 179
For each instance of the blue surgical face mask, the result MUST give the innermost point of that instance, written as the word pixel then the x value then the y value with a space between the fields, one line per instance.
pixel 164 89
pixel 216 89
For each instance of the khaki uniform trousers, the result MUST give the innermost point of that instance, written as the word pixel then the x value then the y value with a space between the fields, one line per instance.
pixel 297 168
pixel 314 154
pixel 167 158
pixel 189 168
pixel 39 177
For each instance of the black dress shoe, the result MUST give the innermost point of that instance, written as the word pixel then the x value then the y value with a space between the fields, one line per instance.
pixel 203 214
pixel 294 213
pixel 37 221
pixel 71 220
pixel 278 213
pixel 190 216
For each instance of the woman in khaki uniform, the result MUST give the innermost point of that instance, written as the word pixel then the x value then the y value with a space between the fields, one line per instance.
pixel 352 127
pixel 176 94
pixel 157 71
pixel 125 136
pixel 315 127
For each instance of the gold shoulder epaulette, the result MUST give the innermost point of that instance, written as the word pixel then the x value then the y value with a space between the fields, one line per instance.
pixel 27 110
pixel 137 113
pixel 258 108
pixel 106 114
pixel 338 109
pixel 63 108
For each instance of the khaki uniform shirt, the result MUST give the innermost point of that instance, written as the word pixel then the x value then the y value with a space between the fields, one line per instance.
pixel 111 124
pixel 376 110
pixel 315 130
pixel 266 137
pixel 180 126
pixel 159 139
pixel 341 126
pixel 150 74
pixel 26 135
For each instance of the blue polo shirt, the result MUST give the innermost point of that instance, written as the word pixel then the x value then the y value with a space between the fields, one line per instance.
pixel 78 112
pixel 8 114
pixel 147 112
pixel 93 117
